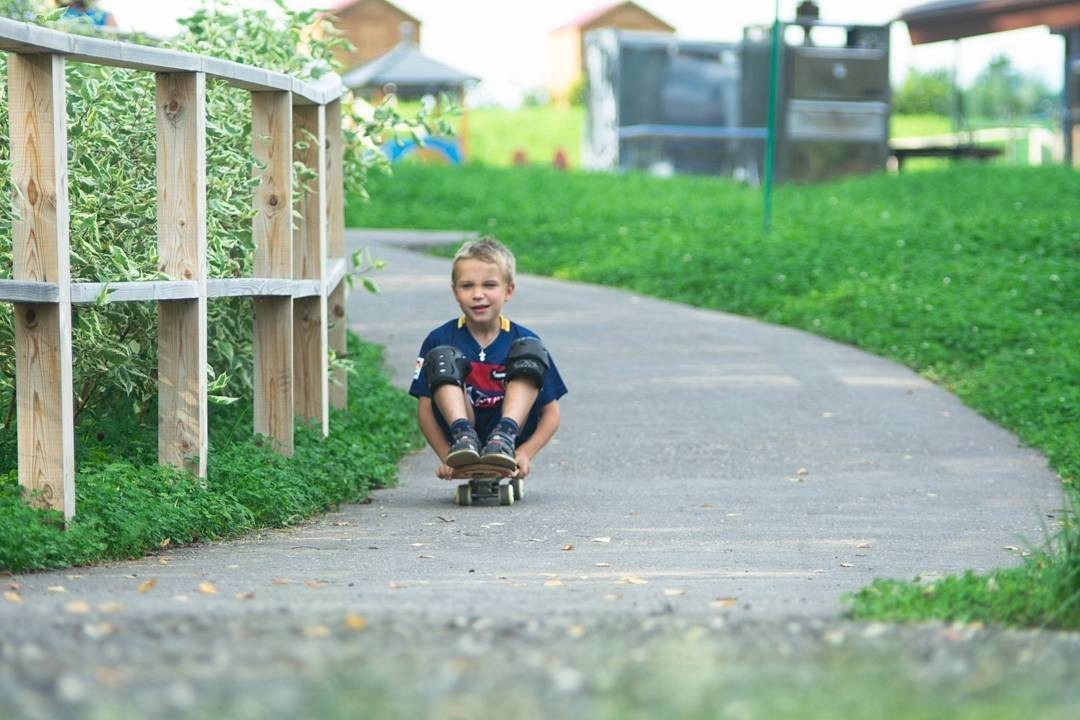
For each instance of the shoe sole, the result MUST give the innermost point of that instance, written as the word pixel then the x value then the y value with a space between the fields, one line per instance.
pixel 501 461
pixel 462 458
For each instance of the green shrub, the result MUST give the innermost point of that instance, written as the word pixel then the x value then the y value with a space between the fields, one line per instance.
pixel 127 504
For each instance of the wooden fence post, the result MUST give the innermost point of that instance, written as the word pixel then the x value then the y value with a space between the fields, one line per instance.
pixel 310 360
pixel 38 120
pixel 271 139
pixel 181 227
pixel 335 228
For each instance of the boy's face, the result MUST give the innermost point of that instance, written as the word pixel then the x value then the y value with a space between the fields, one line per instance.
pixel 481 290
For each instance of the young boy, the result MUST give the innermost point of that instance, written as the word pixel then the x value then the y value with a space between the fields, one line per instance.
pixel 488 390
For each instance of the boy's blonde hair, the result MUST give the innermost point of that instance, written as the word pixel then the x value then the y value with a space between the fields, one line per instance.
pixel 487 249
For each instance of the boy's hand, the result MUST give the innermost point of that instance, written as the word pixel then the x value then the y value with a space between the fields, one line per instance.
pixel 445 472
pixel 523 461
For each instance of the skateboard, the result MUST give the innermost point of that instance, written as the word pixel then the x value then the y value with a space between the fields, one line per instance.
pixel 487 483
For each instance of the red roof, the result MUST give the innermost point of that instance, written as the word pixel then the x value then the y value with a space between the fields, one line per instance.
pixel 595 14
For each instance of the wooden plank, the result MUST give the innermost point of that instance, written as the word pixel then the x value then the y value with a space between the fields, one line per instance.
pixel 40 245
pixel 252 287
pixel 33 39
pixel 29 292
pixel 337 323
pixel 137 291
pixel 181 228
pixel 336 326
pixel 271 140
pixel 310 359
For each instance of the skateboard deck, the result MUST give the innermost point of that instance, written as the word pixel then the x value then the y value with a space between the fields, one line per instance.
pixel 487 483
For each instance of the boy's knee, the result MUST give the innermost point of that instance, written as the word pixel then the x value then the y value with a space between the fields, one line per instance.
pixel 527 360
pixel 446 365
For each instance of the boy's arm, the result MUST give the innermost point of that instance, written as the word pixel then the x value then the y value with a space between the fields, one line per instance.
pixel 425 417
pixel 546 426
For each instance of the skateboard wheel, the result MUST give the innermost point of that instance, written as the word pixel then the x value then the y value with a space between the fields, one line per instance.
pixel 519 487
pixel 506 494
pixel 463 496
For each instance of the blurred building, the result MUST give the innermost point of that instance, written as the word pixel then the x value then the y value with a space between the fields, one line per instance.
pixel 372 26
pixel 568 42
pixel 667 105
pixel 408 74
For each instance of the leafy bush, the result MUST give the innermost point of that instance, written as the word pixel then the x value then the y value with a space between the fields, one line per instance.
pixel 130 506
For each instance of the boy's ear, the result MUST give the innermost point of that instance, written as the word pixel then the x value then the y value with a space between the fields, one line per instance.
pixel 509 289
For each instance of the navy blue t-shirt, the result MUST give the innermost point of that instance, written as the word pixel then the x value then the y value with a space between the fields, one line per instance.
pixel 485 384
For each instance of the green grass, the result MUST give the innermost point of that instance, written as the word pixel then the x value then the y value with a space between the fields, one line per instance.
pixel 967 275
pixel 128 504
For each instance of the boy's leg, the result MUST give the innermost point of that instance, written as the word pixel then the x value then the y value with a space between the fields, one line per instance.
pixel 445 370
pixel 526 366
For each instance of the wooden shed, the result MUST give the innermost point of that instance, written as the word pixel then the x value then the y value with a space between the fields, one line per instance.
pixel 372 26
pixel 568 41
pixel 955 19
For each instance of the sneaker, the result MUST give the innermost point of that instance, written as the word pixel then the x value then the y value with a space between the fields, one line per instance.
pixel 464 451
pixel 499 451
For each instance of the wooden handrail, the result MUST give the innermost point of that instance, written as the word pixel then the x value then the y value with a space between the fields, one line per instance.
pixel 299 292
pixel 26 39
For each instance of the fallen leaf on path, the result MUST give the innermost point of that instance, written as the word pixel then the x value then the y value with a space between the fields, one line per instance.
pixel 725 602
pixel 73 577
pixel 397 585
pixel 601 540
pixel 802 471
pixel 57 589
pixel 567 548
pixel 613 596
pixel 846 564
pixel 426 557
pixel 207 588
pixel 110 607
pixel 674 593
pixel 147 585
pixel 163 561
pixel 245 595
pixel 98 630
pixel 13 597
pixel 14 586
pixel 281 581
pixel 632 581
pixel 315 584
pixel 342 523
pixel 77 607
pixel 165 543
pixel 863 545
pixel 554 583
pixel 316 631
pixel 355 622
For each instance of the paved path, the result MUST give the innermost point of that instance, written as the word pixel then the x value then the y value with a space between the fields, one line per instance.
pixel 805 469
pixel 705 462
pixel 724 458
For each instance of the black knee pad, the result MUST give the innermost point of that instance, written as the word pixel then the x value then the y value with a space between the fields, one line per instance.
pixel 527 359
pixel 446 365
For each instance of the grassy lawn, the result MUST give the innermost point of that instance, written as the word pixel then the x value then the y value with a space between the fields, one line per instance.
pixel 967 275
pixel 128 504
pixel 495 134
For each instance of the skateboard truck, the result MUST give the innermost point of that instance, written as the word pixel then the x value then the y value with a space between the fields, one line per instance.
pixel 487 483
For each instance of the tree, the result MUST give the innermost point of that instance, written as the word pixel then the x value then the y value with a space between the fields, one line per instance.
pixel 1001 90
pixel 924 93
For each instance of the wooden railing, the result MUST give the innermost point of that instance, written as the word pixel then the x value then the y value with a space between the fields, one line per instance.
pixel 297 289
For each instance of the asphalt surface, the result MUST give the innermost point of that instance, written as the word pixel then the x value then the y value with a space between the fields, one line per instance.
pixel 708 467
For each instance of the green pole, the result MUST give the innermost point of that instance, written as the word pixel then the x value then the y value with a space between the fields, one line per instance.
pixel 770 138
